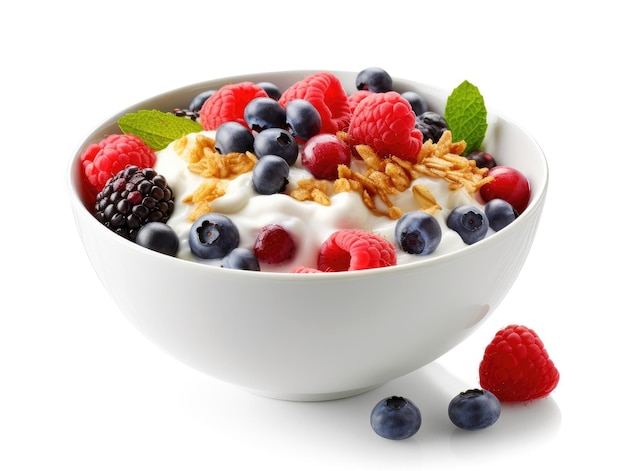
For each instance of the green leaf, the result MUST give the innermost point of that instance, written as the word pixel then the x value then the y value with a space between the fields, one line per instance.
pixel 156 128
pixel 466 116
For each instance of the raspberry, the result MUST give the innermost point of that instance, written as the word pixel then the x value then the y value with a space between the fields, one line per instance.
pixel 516 366
pixel 386 122
pixel 354 249
pixel 105 159
pixel 356 98
pixel 228 104
pixel 274 244
pixel 325 92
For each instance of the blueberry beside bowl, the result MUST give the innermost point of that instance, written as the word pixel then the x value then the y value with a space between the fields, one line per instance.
pixel 312 336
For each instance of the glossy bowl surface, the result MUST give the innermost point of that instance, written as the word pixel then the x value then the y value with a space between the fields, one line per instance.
pixel 313 336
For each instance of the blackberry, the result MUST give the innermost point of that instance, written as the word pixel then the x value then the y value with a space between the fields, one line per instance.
pixel 133 198
pixel 186 113
pixel 432 125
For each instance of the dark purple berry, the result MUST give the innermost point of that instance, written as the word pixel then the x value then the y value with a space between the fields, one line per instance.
pixel 374 79
pixel 432 125
pixel 241 259
pixel 469 222
pixel 233 137
pixel 500 213
pixel 417 102
pixel 303 119
pixel 271 89
pixel 197 101
pixel 474 409
pixel 159 237
pixel 212 236
pixel 263 113
pixel 482 159
pixel 269 175
pixel 395 418
pixel 276 141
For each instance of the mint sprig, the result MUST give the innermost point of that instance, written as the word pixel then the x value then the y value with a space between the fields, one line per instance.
pixel 156 128
pixel 466 116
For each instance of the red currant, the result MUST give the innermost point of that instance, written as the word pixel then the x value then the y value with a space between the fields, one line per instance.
pixel 508 184
pixel 323 153
pixel 274 244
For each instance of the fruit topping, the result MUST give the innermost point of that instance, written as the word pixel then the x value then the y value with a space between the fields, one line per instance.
pixel 500 214
pixel 417 102
pixel 159 237
pixel 482 159
pixel 276 141
pixel 474 409
pixel 133 198
pixel 262 113
pixel 197 101
pixel 213 236
pixel 303 119
pixel 417 232
pixel 233 137
pixel 374 79
pixel 228 104
pixel 112 154
pixel 322 155
pixel 271 89
pixel 241 259
pixel 432 125
pixel 395 418
pixel 516 366
pixel 353 249
pixel 270 175
pixel 508 184
pixel 386 123
pixel 274 244
pixel 326 93
pixel 469 222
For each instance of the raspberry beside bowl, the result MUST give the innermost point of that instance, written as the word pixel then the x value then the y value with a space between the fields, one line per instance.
pixel 313 336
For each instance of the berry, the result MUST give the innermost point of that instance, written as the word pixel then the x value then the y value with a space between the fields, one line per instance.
pixel 228 104
pixel 482 159
pixel 356 98
pixel 213 236
pixel 474 409
pixel 271 89
pixel 508 184
pixel 159 237
pixel 303 119
pixel 417 102
pixel 274 244
pixel 269 175
pixel 112 154
pixel 262 113
pixel 354 249
pixel 241 259
pixel 418 232
pixel 469 222
pixel 276 141
pixel 386 122
pixel 323 153
pixel 197 101
pixel 374 79
pixel 325 92
pixel 395 418
pixel 133 198
pixel 432 125
pixel 500 214
pixel 233 137
pixel 516 366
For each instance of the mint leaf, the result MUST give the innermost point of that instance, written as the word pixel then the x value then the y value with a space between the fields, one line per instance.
pixel 466 116
pixel 156 128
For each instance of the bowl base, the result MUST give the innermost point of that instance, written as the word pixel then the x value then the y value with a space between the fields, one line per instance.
pixel 313 397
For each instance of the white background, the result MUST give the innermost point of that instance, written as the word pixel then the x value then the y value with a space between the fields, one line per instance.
pixel 80 389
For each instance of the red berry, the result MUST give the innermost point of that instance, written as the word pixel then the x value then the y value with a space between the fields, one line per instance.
pixel 228 104
pixel 356 98
pixel 112 154
pixel 305 270
pixel 353 249
pixel 274 244
pixel 516 366
pixel 386 122
pixel 323 153
pixel 509 185
pixel 325 92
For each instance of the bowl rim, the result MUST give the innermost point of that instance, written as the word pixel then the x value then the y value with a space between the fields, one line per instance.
pixel 96 134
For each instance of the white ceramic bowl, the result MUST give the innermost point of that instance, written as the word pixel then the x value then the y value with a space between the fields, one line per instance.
pixel 313 336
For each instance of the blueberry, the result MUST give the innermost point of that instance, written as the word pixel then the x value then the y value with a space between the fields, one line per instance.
pixel 276 141
pixel 212 236
pixel 263 113
pixel 417 102
pixel 469 222
pixel 197 101
pixel 432 125
pixel 159 237
pixel 233 137
pixel 474 409
pixel 395 418
pixel 374 79
pixel 418 232
pixel 241 259
pixel 303 119
pixel 482 159
pixel 271 89
pixel 500 213
pixel 269 175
